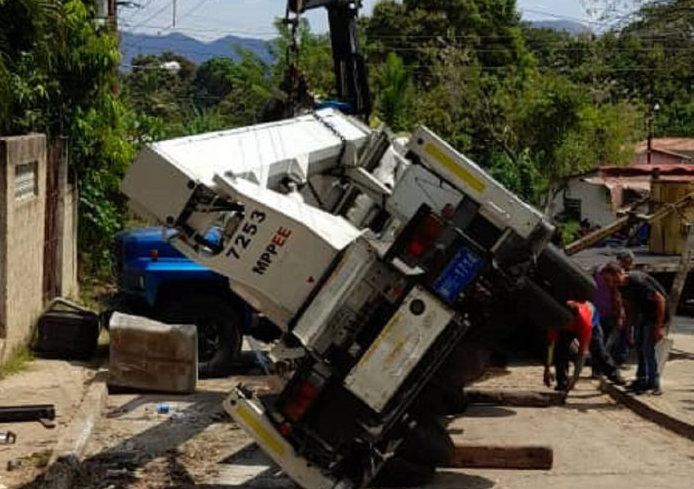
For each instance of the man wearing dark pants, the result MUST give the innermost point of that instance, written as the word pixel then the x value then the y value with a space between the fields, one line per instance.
pixel 600 358
pixel 646 303
pixel 609 308
pixel 616 336
pixel 583 328
pixel 620 345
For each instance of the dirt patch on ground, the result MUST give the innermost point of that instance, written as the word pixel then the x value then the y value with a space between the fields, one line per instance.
pixel 193 445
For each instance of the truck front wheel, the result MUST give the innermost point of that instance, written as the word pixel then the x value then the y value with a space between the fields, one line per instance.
pixel 219 330
pixel 414 463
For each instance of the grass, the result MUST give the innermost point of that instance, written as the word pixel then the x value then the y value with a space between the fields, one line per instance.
pixel 19 360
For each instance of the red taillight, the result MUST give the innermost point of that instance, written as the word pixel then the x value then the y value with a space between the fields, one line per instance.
pixel 154 254
pixel 416 248
pixel 424 237
pixel 302 397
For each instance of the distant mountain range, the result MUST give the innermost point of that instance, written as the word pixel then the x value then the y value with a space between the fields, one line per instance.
pixel 134 44
pixel 569 26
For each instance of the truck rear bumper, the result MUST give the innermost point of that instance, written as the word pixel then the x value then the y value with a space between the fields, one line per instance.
pixel 250 415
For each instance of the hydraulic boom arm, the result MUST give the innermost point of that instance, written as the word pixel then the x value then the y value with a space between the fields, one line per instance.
pixel 351 76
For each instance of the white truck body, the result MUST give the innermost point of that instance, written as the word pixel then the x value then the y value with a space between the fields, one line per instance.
pixel 373 272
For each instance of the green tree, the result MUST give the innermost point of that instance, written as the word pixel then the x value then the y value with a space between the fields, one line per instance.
pixel 213 82
pixel 62 70
pixel 395 94
pixel 251 88
pixel 489 30
pixel 160 86
pixel 32 38
pixel 315 58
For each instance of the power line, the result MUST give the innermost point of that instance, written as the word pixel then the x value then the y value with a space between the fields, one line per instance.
pixel 167 5
pixel 136 8
pixel 194 8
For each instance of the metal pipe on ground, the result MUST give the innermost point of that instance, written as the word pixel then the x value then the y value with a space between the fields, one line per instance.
pixel 35 412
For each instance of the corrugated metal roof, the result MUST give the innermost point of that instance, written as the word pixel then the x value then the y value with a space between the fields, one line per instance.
pixel 640 184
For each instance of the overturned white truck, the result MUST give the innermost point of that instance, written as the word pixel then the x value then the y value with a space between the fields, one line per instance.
pixel 376 257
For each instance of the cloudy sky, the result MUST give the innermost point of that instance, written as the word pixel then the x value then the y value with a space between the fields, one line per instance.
pixel 210 19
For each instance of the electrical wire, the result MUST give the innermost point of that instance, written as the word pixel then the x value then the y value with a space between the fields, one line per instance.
pixel 167 5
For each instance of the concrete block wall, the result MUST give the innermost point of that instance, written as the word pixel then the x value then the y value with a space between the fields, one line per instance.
pixel 22 221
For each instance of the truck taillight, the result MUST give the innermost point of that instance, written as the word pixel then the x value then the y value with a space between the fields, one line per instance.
pixel 423 238
pixel 303 396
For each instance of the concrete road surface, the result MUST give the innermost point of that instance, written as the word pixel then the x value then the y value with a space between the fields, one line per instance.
pixel 597 444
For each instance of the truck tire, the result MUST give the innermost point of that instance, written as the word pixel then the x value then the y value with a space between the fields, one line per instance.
pixel 219 330
pixel 439 397
pixel 415 460
pixel 427 444
pixel 567 280
pixel 399 472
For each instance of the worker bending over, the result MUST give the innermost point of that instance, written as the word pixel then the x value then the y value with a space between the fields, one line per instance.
pixel 607 299
pixel 585 328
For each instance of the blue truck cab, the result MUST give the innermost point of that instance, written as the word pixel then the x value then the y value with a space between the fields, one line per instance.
pixel 157 281
pixel 148 264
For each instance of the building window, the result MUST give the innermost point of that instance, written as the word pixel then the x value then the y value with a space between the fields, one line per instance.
pixel 26 180
pixel 572 208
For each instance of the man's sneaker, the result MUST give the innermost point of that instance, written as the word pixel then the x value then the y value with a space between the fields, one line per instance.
pixel 636 386
pixel 656 391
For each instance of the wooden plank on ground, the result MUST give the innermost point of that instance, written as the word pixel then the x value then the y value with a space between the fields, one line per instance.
pixel 515 397
pixel 502 457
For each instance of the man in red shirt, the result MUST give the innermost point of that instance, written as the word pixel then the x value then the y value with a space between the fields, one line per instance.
pixel 586 319
pixel 559 346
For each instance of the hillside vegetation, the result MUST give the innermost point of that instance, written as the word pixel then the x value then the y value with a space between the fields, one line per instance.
pixel 531 104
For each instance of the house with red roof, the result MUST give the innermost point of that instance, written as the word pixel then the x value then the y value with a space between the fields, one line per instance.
pixel 595 197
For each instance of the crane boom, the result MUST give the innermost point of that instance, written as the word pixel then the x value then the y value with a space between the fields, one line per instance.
pixel 598 235
pixel 351 75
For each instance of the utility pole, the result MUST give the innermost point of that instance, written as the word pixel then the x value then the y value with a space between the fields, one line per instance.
pixel 112 22
pixel 653 107
pixel 650 119
pixel 649 122
pixel 112 15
